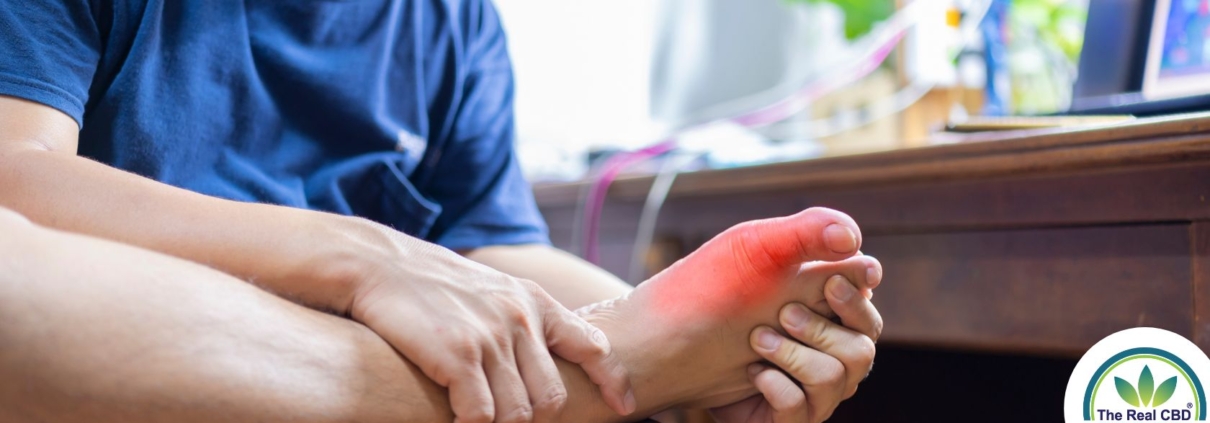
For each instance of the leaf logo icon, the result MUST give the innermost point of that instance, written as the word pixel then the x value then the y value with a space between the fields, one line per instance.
pixel 1146 386
pixel 1147 395
pixel 1164 392
pixel 1126 391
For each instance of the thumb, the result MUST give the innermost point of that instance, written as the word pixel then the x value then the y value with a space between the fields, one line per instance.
pixel 571 337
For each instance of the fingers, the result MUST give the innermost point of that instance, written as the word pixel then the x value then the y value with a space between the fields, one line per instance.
pixel 546 391
pixel 863 272
pixel 508 390
pixel 579 342
pixel 822 376
pixel 856 312
pixel 470 398
pixel 455 362
pixel 854 350
pixel 787 399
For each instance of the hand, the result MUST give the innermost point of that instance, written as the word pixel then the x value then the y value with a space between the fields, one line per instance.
pixel 483 334
pixel 829 366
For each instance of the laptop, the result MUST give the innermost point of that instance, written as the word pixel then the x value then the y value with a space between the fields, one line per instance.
pixel 1144 57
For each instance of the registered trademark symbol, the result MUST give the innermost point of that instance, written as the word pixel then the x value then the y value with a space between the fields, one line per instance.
pixel 1189 405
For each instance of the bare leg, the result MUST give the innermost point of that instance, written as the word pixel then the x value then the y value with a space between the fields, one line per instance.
pixel 98 331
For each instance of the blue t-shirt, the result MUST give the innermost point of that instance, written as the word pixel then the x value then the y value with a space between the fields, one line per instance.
pixel 400 111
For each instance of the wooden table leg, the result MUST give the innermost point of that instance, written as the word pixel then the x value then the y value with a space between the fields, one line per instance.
pixel 1200 234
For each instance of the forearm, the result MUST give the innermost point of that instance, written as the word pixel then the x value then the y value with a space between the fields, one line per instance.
pixel 573 282
pixel 295 252
pixel 215 350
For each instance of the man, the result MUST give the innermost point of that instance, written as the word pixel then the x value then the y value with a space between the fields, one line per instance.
pixel 395 111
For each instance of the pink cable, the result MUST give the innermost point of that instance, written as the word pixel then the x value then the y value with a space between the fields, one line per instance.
pixel 786 108
pixel 766 115
pixel 596 196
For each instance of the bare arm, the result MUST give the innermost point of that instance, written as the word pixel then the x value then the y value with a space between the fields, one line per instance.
pixel 573 282
pixel 117 333
pixel 183 343
pixel 47 182
pixel 403 288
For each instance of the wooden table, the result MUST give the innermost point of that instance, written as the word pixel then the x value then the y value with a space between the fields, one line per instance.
pixel 1034 242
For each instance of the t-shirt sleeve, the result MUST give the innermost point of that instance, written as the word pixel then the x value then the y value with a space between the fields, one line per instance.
pixel 485 199
pixel 49 51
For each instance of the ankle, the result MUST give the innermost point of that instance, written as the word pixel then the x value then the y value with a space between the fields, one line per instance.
pixel 651 351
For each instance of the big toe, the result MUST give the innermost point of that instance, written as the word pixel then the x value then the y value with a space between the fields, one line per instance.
pixel 813 234
pixel 750 260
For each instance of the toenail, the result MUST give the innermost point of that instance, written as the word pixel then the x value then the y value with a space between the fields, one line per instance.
pixel 842 289
pixel 768 340
pixel 873 277
pixel 796 316
pixel 839 238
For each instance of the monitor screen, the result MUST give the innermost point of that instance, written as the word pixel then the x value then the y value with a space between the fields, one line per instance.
pixel 1178 54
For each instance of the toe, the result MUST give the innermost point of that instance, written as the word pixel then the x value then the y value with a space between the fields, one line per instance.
pixel 815 234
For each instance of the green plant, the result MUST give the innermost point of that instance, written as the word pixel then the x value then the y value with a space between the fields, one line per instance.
pixel 859 15
pixel 1060 23
pixel 1145 395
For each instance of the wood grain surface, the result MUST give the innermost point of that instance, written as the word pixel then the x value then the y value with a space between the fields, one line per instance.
pixel 1038 242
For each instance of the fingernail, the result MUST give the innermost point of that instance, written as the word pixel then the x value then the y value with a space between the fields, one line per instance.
pixel 768 340
pixel 599 338
pixel 839 238
pixel 629 402
pixel 873 277
pixel 842 289
pixel 797 316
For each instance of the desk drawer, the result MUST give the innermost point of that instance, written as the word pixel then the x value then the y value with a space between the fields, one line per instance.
pixel 1053 290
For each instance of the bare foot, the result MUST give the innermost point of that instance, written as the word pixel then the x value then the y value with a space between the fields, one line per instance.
pixel 684 334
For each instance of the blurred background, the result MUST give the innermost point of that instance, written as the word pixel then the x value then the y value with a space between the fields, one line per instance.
pixel 604 76
pixel 1033 174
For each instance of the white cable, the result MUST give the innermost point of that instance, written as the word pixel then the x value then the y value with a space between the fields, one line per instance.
pixel 902 20
pixel 897 102
pixel 660 187
pixel 577 222
pixel 841 70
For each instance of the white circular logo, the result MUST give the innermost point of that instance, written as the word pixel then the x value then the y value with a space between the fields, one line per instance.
pixel 1140 374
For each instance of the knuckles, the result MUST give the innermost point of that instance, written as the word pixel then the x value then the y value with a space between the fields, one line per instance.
pixel 467 349
pixel 793 397
pixel 521 309
pixel 830 372
pixel 793 359
pixel 551 402
pixel 481 414
pixel 865 351
pixel 517 315
pixel 519 415
pixel 877 328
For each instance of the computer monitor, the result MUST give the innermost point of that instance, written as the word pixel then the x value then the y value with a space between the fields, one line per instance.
pixel 1139 60
pixel 1178 50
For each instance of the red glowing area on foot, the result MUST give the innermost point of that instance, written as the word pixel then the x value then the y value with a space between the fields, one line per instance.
pixel 749 263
